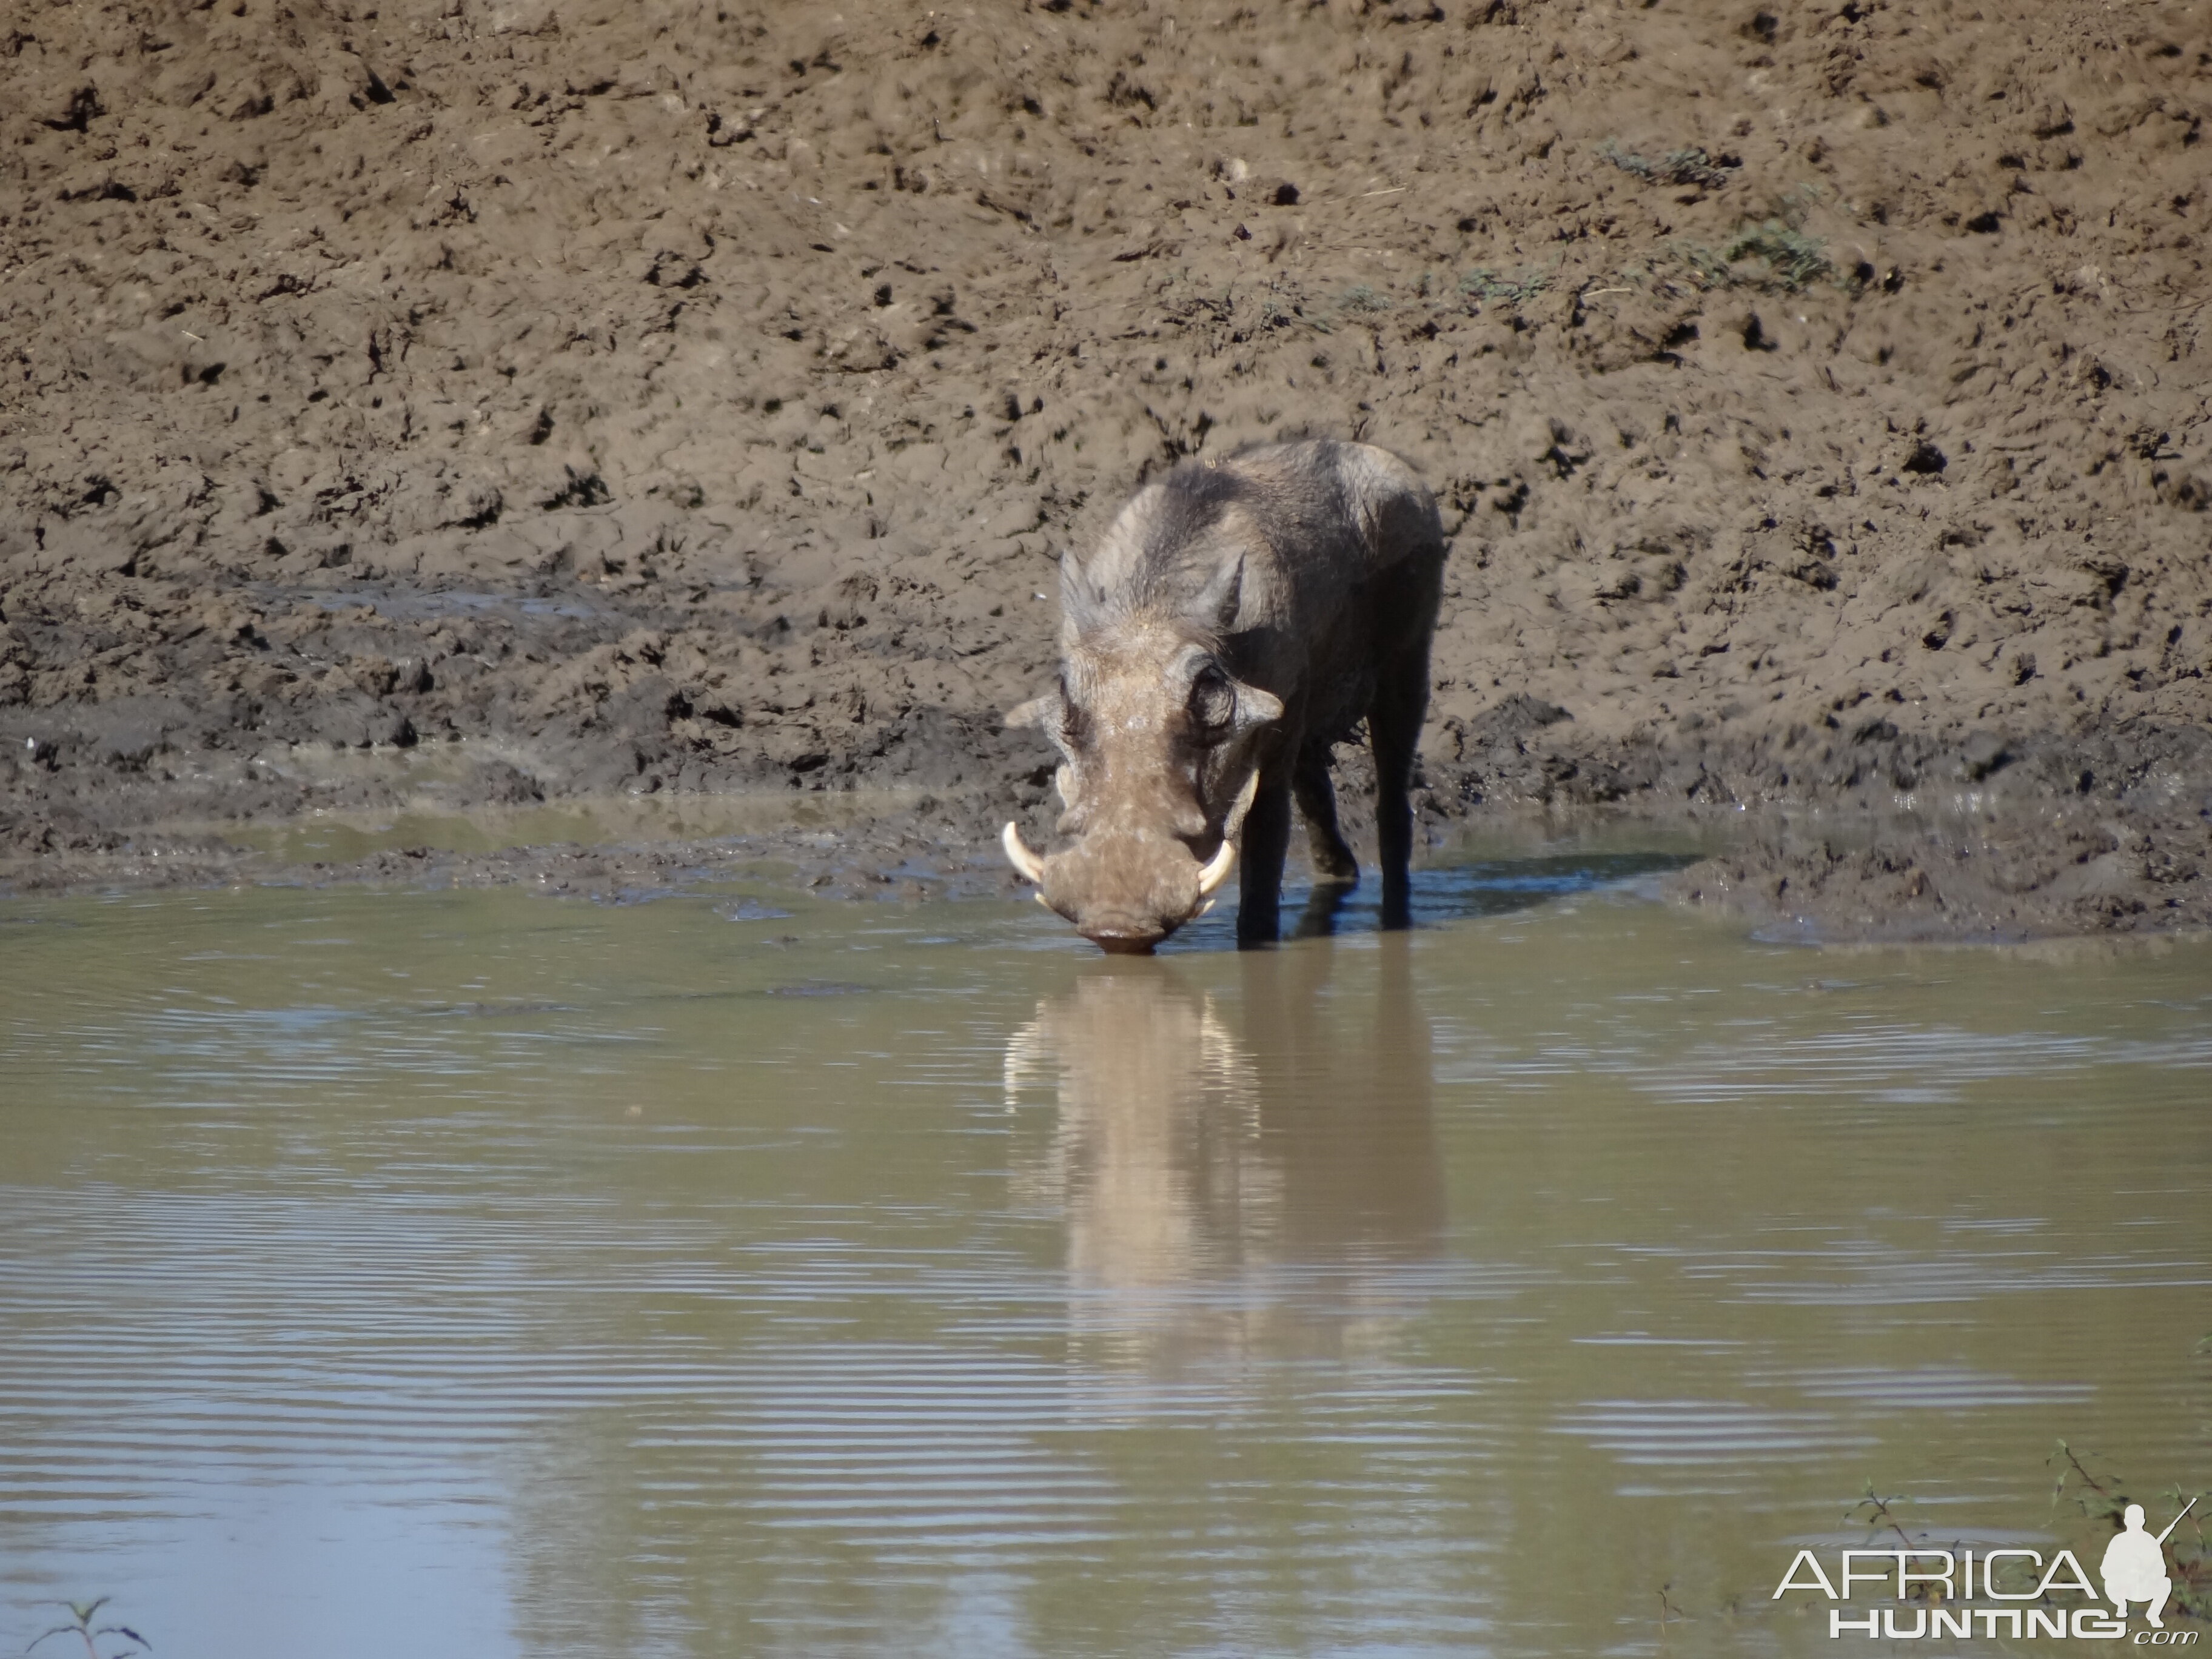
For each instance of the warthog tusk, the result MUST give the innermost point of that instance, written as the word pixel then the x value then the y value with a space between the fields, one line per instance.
pixel 1019 856
pixel 1205 907
pixel 1217 868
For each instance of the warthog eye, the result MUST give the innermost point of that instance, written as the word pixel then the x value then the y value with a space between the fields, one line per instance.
pixel 1213 700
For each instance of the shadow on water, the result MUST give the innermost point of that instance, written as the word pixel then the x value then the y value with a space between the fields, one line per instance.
pixel 1442 894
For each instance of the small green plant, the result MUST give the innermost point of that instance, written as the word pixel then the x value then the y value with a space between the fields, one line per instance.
pixel 1363 299
pixel 82 1627
pixel 2096 1499
pixel 1676 167
pixel 1485 284
pixel 1709 266
pixel 1274 315
pixel 1875 1512
pixel 1794 260
pixel 1668 1612
pixel 1797 260
pixel 2193 1558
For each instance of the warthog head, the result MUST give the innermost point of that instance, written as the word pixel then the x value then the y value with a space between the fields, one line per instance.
pixel 1158 744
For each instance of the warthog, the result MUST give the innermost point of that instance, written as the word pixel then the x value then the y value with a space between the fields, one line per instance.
pixel 1237 618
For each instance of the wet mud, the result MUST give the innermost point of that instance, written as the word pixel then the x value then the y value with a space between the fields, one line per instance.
pixel 694 400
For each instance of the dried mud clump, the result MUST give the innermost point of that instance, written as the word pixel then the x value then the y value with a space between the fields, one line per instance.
pixel 616 399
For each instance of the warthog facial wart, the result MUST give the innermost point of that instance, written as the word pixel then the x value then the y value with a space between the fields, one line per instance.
pixel 1236 620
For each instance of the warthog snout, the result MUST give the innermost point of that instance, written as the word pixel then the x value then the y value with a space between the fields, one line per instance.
pixel 1126 891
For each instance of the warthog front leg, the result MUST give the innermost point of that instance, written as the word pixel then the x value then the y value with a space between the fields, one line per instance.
pixel 1266 842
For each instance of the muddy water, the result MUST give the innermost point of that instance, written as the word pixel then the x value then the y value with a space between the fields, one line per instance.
pixel 484 1274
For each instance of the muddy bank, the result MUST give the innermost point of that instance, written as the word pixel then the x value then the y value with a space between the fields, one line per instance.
pixel 2061 849
pixel 693 400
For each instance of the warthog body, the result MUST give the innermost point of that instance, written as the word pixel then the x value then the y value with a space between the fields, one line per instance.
pixel 1237 619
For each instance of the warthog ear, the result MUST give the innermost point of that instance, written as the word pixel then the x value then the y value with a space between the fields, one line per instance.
pixel 1231 767
pixel 1255 707
pixel 1038 711
pixel 1224 708
pixel 1080 603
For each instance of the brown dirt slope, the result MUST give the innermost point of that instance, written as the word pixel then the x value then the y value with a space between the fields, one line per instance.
pixel 686 396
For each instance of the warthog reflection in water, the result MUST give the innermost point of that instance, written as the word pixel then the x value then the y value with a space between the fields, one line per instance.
pixel 1235 621
pixel 1236 1178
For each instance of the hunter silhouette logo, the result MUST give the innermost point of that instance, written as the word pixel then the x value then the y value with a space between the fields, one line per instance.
pixel 2134 1567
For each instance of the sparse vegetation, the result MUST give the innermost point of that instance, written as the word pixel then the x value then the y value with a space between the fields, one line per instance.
pixel 2101 1499
pixel 1677 167
pixel 1481 283
pixel 1794 259
pixel 1363 299
pixel 83 1628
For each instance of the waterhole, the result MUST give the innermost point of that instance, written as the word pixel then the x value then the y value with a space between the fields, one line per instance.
pixel 477 1273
